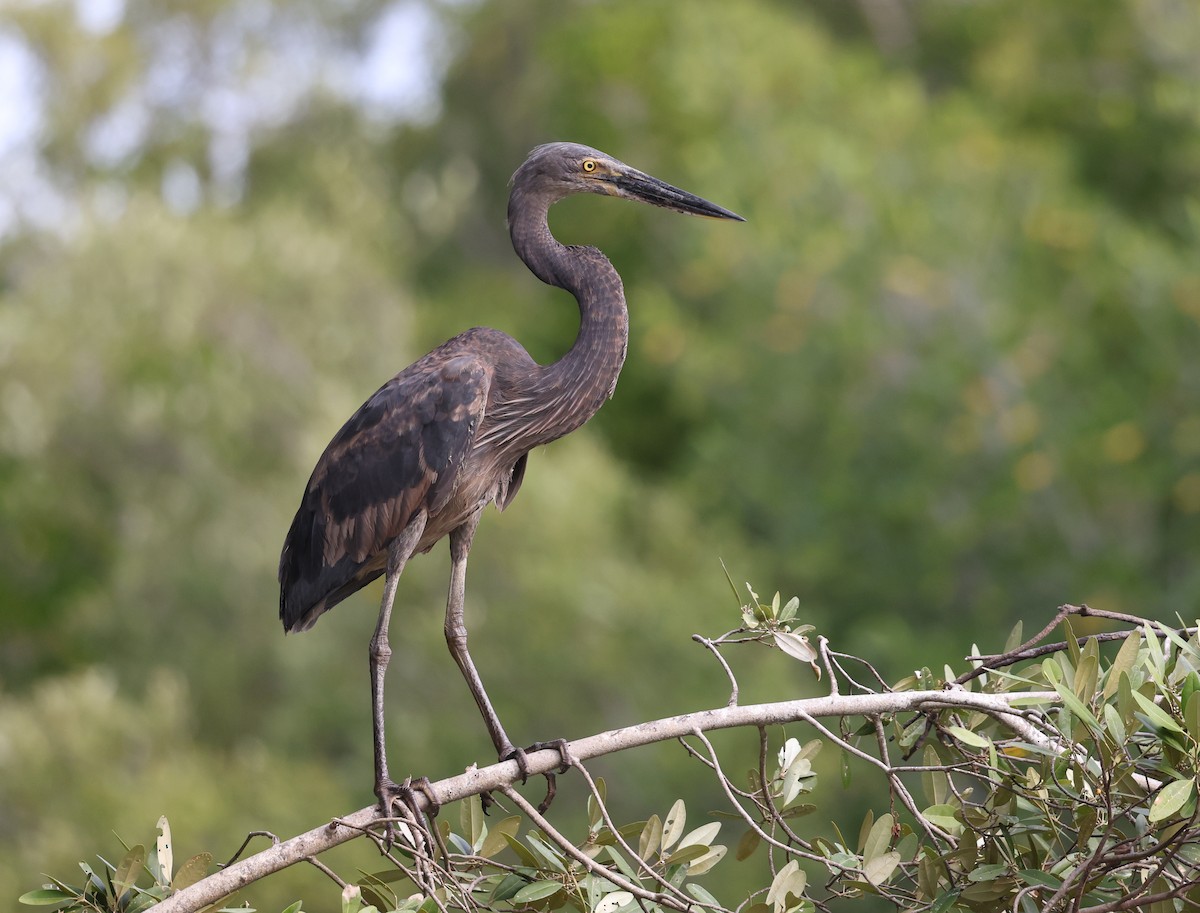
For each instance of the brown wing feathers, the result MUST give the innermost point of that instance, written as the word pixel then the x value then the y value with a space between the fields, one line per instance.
pixel 399 452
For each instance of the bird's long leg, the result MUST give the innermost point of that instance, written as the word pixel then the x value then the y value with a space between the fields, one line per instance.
pixel 456 633
pixel 399 552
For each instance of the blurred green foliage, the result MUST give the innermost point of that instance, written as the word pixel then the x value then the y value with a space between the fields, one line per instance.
pixel 944 378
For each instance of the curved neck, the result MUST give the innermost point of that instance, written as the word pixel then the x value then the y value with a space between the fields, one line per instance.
pixel 573 388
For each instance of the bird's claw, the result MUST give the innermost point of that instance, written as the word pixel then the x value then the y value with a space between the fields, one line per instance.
pixel 565 763
pixel 389 793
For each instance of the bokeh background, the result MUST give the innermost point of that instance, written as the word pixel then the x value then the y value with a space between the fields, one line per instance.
pixel 945 378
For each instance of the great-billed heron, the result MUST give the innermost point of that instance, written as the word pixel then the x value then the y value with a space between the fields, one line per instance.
pixel 451 432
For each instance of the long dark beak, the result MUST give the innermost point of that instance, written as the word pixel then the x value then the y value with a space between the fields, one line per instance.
pixel 634 185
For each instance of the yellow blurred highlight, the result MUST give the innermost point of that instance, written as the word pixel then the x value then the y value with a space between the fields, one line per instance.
pixel 1186 436
pixel 1123 443
pixel 978 397
pixel 1020 423
pixel 1034 471
pixel 1187 296
pixel 962 436
pixel 663 343
pixel 1035 354
pixel 1186 493
pixel 912 278
pixel 1062 228
pixel 784 332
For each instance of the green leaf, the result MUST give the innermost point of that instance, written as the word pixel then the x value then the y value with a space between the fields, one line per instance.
pixel 702 864
pixel 732 586
pixel 686 854
pixel 673 825
pixel 789 611
pixel 550 856
pixel 1154 648
pixel 1191 715
pixel 536 891
pixel 508 887
pixel 879 838
pixel 943 816
pixel 614 901
pixel 164 849
pixel 701 894
pixel 1014 637
pixel 988 872
pixel 495 842
pixel 702 836
pixel 127 872
pixel 1040 878
pixel 967 737
pixel 1088 671
pixel 595 816
pixel 651 837
pixel 795 646
pixel 1114 724
pixel 192 871
pixel 1072 640
pixel 622 863
pixel 1172 798
pixel 521 850
pixel 1077 707
pixel 1123 662
pixel 880 869
pixel 45 897
pixel 944 902
pixel 472 822
pixel 1155 715
pixel 791 879
pixel 747 845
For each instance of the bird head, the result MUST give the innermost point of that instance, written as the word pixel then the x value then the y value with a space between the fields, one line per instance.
pixel 557 170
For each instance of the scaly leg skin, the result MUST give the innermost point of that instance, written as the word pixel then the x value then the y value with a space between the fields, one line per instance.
pixel 456 640
pixel 387 790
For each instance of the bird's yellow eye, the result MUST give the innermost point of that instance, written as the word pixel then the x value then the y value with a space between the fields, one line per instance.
pixel 589 166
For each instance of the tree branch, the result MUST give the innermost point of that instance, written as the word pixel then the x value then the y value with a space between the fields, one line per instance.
pixel 498 776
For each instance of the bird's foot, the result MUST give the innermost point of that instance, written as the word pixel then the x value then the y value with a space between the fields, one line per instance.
pixel 411 814
pixel 519 755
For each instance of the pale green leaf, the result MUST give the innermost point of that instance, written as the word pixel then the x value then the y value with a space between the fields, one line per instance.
pixel 130 868
pixel 472 821
pixel 701 865
pixel 879 838
pixel 651 837
pixel 1191 715
pixel 674 823
pixel 747 845
pixel 967 737
pixel 192 871
pixel 1014 637
pixel 1171 798
pixel 1077 707
pixel 1125 659
pixel 880 869
pixel 1155 715
pixel 536 891
pixel 701 836
pixel 791 879
pixel 796 646
pixel 701 894
pixel 614 901
pixel 165 859
pixel 495 841
pixel 44 897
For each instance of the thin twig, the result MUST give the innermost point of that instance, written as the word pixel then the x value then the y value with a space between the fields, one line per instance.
pixel 733 684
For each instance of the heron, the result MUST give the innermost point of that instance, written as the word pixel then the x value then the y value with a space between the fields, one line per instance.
pixel 452 432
